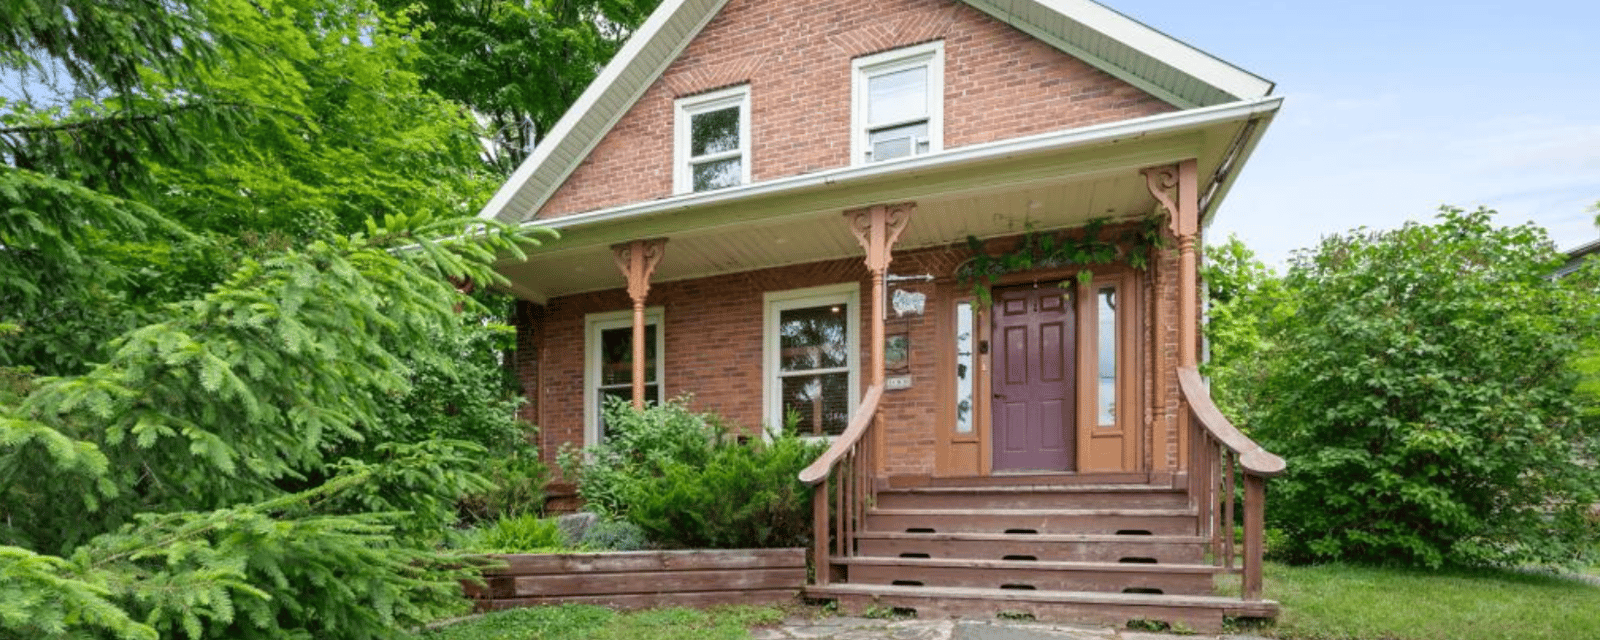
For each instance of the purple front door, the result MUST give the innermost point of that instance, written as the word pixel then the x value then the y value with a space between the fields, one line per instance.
pixel 1034 401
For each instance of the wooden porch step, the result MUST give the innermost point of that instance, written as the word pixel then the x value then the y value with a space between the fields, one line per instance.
pixel 1087 496
pixel 1037 575
pixel 1047 547
pixel 1038 521
pixel 1020 479
pixel 1203 614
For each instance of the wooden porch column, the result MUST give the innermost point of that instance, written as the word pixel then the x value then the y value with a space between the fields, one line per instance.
pixel 1176 187
pixel 638 260
pixel 877 228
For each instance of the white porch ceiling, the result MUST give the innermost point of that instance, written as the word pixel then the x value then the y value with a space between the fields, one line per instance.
pixel 1051 182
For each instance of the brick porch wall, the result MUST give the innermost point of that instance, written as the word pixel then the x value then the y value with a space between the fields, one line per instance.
pixel 713 345
pixel 999 83
pixel 1162 381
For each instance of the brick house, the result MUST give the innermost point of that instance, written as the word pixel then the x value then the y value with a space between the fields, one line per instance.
pixel 783 208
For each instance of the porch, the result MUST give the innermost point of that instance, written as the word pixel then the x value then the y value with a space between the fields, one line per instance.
pixel 1107 489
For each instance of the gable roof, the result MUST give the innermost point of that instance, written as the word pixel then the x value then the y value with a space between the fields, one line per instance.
pixel 1122 47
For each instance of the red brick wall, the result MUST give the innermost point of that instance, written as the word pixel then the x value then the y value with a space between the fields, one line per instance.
pixel 714 347
pixel 999 83
pixel 1162 382
pixel 525 359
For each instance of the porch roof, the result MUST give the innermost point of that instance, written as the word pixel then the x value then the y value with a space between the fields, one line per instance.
pixel 1049 181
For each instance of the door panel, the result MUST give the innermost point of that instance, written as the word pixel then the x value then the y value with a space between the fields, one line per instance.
pixel 1034 397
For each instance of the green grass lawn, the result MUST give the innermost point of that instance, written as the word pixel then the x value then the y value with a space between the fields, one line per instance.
pixel 1364 603
pixel 583 622
pixel 1325 602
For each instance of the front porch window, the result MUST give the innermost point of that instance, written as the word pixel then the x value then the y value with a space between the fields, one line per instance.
pixel 812 358
pixel 1106 386
pixel 966 338
pixel 608 351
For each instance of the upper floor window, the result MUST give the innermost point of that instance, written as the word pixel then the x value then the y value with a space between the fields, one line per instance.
pixel 712 150
pixel 899 103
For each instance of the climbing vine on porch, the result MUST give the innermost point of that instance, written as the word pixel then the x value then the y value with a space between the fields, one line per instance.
pixel 1062 249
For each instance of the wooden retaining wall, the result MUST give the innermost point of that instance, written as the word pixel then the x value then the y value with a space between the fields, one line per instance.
pixel 638 579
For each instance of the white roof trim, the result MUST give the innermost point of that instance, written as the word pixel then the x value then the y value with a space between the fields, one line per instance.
pixel 649 36
pixel 1162 47
pixel 654 46
pixel 1172 122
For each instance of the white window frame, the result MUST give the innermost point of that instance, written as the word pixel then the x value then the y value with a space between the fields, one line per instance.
pixel 594 324
pixel 685 109
pixel 865 68
pixel 774 304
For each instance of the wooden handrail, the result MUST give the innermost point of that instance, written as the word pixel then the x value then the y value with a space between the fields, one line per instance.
pixel 1255 460
pixel 819 470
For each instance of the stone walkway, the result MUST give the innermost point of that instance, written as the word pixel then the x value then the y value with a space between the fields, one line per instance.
pixel 846 628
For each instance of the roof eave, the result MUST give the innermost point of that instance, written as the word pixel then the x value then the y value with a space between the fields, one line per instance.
pixel 653 46
pixel 1054 142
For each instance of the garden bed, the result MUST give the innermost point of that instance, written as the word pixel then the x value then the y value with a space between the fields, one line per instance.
pixel 637 579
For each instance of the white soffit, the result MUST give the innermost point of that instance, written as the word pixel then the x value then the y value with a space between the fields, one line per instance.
pixel 1117 44
pixel 1128 49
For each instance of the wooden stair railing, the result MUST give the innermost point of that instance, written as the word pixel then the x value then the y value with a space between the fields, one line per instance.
pixel 1218 454
pixel 849 462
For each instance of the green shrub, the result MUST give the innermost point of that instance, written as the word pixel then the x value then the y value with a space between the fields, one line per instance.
pixel 614 534
pixel 746 496
pixel 520 534
pixel 687 482
pixel 1420 389
pixel 638 445
pixel 519 478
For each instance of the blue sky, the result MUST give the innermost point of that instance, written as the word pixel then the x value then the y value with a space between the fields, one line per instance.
pixel 1393 108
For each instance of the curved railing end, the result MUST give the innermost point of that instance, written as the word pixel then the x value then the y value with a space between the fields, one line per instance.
pixel 1254 459
pixel 819 469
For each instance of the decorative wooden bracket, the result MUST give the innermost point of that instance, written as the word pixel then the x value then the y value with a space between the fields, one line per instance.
pixel 877 228
pixel 464 286
pixel 638 260
pixel 1176 187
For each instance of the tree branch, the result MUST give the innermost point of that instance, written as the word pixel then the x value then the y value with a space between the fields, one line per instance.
pixel 78 125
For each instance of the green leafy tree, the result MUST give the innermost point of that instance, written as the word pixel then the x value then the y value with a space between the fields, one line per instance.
pixel 210 420
pixel 343 129
pixel 518 65
pixel 130 474
pixel 1422 391
pixel 1244 298
pixel 269 123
